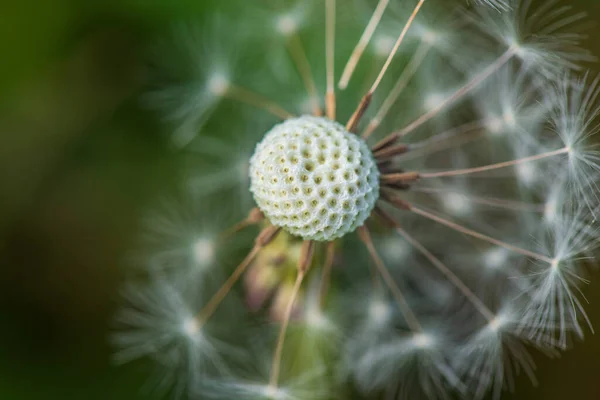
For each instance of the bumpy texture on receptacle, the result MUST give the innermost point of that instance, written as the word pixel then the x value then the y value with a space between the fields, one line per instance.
pixel 314 179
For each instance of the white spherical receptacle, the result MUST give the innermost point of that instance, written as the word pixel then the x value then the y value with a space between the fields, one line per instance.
pixel 314 179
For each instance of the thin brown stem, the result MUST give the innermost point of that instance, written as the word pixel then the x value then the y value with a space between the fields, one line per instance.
pixel 254 217
pixel 362 44
pixel 451 138
pixel 409 316
pixel 451 276
pixel 218 297
pixel 390 152
pixel 460 93
pixel 354 120
pixel 387 141
pixel 488 201
pixel 478 235
pixel 389 196
pixel 396 46
pixel 352 124
pixel 330 102
pixel 400 177
pixel 491 167
pixel 264 238
pixel 401 83
pixel 247 96
pixel 302 64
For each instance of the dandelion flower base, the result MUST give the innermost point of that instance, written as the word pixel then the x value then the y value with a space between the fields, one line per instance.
pixel 314 179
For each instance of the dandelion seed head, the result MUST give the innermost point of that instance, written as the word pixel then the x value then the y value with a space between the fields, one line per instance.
pixel 494 125
pixel 433 100
pixel 509 118
pixel 423 340
pixel 394 251
pixel 379 312
pixel 428 36
pixel 551 211
pixel 190 327
pixel 204 250
pixel 218 84
pixel 456 203
pixel 495 257
pixel 383 44
pixel 314 179
pixel 315 318
pixel 496 324
pixel 287 24
pixel 527 173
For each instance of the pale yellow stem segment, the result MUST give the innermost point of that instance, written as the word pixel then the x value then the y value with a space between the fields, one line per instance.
pixel 400 85
pixel 330 101
pixel 362 44
pixel 356 117
pixel 396 46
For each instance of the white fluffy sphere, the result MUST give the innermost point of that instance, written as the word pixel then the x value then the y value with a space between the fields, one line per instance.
pixel 313 178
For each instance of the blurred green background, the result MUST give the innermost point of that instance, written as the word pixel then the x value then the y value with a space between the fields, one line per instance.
pixel 79 159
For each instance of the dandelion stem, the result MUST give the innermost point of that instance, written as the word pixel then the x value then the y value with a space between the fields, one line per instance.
pixel 302 64
pixel 362 44
pixel 326 274
pixel 303 265
pixel 390 152
pixel 401 83
pixel 491 167
pixel 359 112
pixel 399 177
pixel 330 102
pixel 407 312
pixel 276 364
pixel 396 46
pixel 460 93
pixel 366 100
pixel 264 238
pixel 444 140
pixel 489 201
pixel 443 268
pixel 247 96
pixel 254 217
pixel 478 235
pixel 218 297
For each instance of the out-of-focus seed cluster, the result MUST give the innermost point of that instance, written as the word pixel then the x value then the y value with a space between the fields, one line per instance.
pixel 311 177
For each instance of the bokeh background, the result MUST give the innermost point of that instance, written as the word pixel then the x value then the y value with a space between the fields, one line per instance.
pixel 79 160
